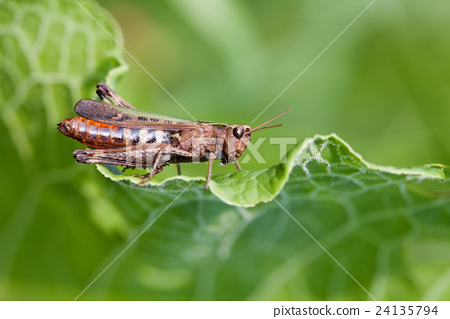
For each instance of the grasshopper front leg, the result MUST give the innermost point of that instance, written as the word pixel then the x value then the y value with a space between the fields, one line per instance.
pixel 237 165
pixel 211 159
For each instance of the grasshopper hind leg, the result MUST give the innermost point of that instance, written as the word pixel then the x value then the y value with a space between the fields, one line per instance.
pixel 126 167
pixel 155 169
pixel 146 177
pixel 107 95
pixel 154 156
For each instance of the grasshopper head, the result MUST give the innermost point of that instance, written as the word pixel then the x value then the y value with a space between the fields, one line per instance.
pixel 237 138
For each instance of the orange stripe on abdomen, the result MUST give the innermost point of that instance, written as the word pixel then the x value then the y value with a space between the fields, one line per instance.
pixel 104 136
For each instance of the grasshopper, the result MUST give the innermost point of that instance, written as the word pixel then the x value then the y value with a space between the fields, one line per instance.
pixel 119 134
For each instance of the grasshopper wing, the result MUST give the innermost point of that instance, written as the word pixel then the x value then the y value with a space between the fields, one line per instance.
pixel 131 118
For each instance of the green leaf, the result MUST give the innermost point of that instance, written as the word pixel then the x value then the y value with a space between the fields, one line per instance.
pixel 52 53
pixel 387 226
pixel 322 163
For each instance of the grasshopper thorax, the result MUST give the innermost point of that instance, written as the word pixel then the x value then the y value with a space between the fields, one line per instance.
pixel 237 138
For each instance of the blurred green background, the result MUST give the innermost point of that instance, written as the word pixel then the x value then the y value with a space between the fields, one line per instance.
pixel 382 86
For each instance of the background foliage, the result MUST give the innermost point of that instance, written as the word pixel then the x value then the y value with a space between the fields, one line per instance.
pixel 382 87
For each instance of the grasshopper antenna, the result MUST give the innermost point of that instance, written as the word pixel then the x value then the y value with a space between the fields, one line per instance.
pixel 257 128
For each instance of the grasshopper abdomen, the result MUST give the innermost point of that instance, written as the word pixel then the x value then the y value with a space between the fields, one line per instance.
pixel 104 136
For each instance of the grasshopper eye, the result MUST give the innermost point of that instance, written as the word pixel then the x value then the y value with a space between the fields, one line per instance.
pixel 238 131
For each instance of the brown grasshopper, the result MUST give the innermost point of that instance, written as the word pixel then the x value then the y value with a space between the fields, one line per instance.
pixel 122 135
